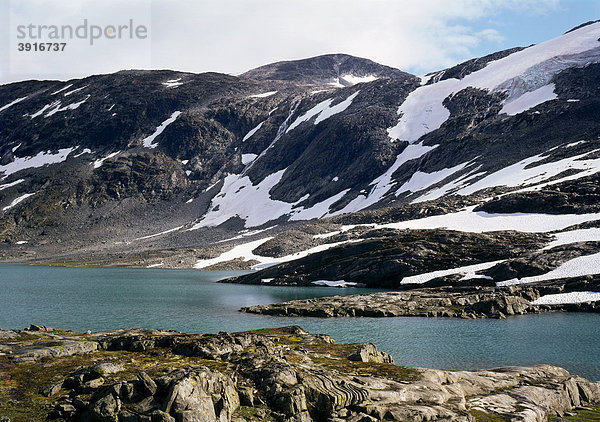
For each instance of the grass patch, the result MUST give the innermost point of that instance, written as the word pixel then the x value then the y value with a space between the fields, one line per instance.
pixel 254 413
pixel 481 416
pixel 589 414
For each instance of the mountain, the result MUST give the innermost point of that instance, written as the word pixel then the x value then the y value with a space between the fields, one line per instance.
pixel 339 70
pixel 163 168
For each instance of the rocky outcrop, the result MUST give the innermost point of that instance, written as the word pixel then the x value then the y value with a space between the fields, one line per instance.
pixel 285 374
pixel 572 197
pixel 461 301
pixel 290 375
pixel 382 258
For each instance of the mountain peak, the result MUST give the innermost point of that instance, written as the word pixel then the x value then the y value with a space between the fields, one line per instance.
pixel 335 69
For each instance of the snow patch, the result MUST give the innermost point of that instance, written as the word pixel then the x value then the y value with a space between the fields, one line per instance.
pixel 62 89
pixel 468 270
pixel 576 267
pixel 527 70
pixel 448 187
pixel 318 210
pixel 327 235
pixel 323 111
pixel 43 109
pixel 420 180
pixel 18 200
pixel 72 106
pixel 529 100
pixel 18 100
pixel 383 184
pixel 252 132
pixel 575 236
pixel 149 141
pixel 574 144
pixel 248 158
pixel 172 83
pixel 98 163
pixel 564 298
pixel 74 91
pixel 263 95
pixel 338 283
pixel 84 151
pixel 243 251
pixel 353 80
pixel 159 234
pixel 39 160
pixel 239 197
pixel 480 222
pixel 518 175
pixel 8 185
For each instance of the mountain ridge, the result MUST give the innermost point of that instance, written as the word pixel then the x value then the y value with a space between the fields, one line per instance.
pixel 201 158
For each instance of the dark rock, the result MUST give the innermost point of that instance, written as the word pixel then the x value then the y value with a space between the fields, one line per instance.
pixel 105 408
pixel 148 385
pixel 52 389
pixel 385 261
pixel 44 328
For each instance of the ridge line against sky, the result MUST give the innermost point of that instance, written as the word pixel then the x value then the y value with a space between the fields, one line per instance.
pixel 232 36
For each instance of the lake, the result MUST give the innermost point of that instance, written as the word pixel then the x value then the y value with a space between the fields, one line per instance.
pixel 191 301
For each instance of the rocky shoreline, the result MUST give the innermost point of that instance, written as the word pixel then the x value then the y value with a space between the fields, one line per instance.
pixel 466 301
pixel 284 374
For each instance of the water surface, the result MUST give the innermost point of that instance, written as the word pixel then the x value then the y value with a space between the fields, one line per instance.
pixel 191 301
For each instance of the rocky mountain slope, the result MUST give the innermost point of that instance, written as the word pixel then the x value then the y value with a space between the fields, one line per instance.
pixel 162 168
pixel 284 374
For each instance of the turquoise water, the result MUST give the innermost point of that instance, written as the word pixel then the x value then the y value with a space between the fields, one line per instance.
pixel 191 301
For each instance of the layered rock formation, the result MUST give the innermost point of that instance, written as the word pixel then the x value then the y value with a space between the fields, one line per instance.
pixel 282 374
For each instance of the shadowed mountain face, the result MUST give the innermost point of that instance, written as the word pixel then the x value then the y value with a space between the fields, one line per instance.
pixel 140 161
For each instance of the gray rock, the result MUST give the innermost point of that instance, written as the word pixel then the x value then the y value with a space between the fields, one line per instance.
pixel 107 368
pixel 106 408
pixel 34 352
pixel 368 352
pixel 52 389
pixel 8 334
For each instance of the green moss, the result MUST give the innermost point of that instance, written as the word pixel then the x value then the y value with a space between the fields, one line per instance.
pixel 481 416
pixel 253 414
pixel 589 414
pixel 383 370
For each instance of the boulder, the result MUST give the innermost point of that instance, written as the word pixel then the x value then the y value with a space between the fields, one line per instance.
pixel 368 352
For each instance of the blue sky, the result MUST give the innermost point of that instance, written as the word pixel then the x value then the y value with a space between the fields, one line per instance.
pixel 232 36
pixel 521 28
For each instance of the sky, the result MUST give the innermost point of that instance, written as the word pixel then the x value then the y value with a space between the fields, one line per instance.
pixel 232 36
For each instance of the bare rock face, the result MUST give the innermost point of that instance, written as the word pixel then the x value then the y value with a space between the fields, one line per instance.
pixel 286 375
pixel 439 298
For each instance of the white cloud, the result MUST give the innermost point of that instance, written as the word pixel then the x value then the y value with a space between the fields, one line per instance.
pixel 235 35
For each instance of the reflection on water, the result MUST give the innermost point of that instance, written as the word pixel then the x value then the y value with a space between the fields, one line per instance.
pixel 191 301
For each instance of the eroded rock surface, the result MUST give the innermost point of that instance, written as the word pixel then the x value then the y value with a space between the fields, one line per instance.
pixel 439 299
pixel 282 374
